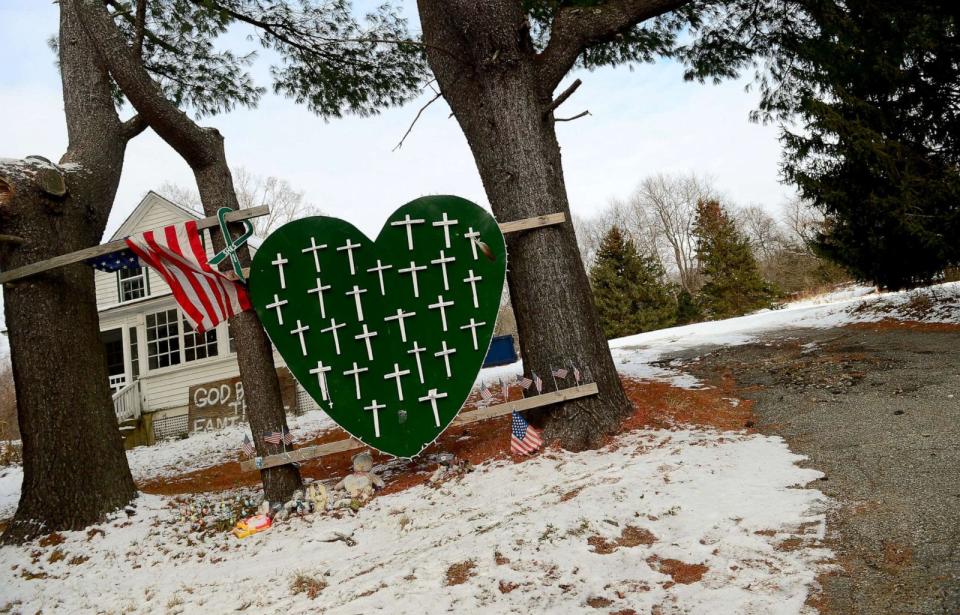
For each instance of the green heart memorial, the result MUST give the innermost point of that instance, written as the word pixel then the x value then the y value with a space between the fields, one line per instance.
pixel 387 336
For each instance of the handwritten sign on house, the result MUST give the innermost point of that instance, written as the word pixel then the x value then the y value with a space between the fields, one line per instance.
pixel 219 404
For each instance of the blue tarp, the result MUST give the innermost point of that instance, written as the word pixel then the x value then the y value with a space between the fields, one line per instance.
pixel 501 351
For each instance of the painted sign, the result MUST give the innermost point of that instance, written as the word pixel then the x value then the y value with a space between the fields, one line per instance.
pixel 387 335
pixel 221 403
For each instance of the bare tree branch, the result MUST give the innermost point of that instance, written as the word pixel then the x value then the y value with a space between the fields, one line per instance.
pixel 559 100
pixel 419 113
pixel 575 117
pixel 132 127
pixel 576 28
pixel 140 27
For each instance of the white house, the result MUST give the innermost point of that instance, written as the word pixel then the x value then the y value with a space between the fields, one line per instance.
pixel 153 355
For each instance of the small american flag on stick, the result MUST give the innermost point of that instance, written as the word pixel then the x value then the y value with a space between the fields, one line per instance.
pixel 576 374
pixel 505 388
pixel 524 439
pixel 485 393
pixel 247 446
pixel 538 382
pixel 524 382
pixel 273 437
pixel 287 437
pixel 560 373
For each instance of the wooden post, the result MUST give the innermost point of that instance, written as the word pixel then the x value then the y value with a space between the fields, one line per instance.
pixel 349 444
pixel 113 246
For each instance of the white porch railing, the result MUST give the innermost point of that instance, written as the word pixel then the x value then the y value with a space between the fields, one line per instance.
pixel 118 382
pixel 127 402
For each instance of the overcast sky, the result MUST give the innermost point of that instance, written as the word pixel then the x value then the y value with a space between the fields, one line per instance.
pixel 642 121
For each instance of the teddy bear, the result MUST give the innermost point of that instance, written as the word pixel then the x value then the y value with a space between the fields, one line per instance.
pixel 363 481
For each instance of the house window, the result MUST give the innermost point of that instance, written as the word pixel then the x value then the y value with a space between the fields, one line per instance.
pixel 198 345
pixel 163 339
pixel 132 283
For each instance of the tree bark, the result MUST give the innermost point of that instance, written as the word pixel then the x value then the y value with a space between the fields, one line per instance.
pixel 202 148
pixel 493 83
pixel 75 468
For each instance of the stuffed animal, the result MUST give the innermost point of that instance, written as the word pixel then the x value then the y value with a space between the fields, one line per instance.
pixel 317 493
pixel 363 481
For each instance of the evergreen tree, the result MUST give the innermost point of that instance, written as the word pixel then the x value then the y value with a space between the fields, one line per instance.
pixel 733 282
pixel 688 310
pixel 629 288
pixel 872 88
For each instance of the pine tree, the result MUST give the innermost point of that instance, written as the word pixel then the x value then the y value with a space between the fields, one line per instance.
pixel 867 94
pixel 688 310
pixel 629 288
pixel 733 282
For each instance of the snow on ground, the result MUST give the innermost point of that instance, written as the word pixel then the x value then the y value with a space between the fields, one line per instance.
pixel 210 448
pixel 638 355
pixel 688 520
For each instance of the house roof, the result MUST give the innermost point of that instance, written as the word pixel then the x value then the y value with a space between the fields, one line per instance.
pixel 153 199
pixel 150 199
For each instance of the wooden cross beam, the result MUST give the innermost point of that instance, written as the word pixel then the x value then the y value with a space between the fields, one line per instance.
pixel 483 414
pixel 113 246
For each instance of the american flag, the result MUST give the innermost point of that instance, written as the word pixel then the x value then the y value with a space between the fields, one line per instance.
pixel 205 295
pixel 485 393
pixel 525 382
pixel 115 261
pixel 538 382
pixel 560 373
pixel 576 374
pixel 247 446
pixel 524 439
pixel 287 437
pixel 505 388
pixel 273 437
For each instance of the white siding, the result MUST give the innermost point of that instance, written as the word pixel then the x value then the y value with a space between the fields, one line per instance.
pixel 169 388
pixel 154 213
pixel 165 390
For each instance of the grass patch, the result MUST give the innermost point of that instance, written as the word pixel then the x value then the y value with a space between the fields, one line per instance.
pixel 303 583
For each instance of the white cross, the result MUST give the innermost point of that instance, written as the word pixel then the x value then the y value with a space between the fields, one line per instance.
pixel 376 416
pixel 379 269
pixel 321 371
pixel 365 336
pixel 472 325
pixel 299 331
pixel 407 222
pixel 399 317
pixel 333 329
pixel 442 261
pixel 442 306
pixel 313 247
pixel 412 270
pixel 396 374
pixel 349 247
pixel 472 236
pixel 355 372
pixel 279 263
pixel 319 288
pixel 432 396
pixel 445 353
pixel 277 304
pixel 472 281
pixel 446 224
pixel 415 351
pixel 356 292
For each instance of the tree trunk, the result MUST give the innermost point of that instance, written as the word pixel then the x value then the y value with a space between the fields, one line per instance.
pixel 75 468
pixel 261 387
pixel 202 149
pixel 485 66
